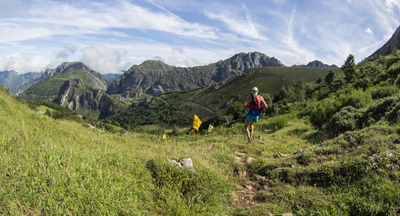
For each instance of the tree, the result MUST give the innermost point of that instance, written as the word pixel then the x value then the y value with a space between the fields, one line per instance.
pixel 235 109
pixel 330 77
pixel 349 68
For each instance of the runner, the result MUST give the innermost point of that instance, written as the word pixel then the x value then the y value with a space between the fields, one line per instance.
pixel 254 101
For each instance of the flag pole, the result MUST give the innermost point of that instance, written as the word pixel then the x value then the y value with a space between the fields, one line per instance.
pixel 193 138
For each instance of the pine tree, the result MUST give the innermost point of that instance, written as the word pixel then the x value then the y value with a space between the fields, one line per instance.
pixel 349 68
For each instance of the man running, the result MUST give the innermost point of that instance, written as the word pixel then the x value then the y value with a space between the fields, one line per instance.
pixel 254 101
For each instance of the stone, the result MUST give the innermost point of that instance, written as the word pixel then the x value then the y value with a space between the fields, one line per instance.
pixel 187 163
pixel 175 163
pixel 259 137
pixel 238 159
pixel 283 155
pixel 260 178
pixel 285 214
pixel 250 160
pixel 249 187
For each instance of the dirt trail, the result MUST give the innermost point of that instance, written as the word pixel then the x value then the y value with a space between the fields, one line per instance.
pixel 248 186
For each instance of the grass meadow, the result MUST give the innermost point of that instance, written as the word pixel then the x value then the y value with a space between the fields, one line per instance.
pixel 61 167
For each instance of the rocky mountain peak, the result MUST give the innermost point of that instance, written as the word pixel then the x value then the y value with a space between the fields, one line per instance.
pixel 156 77
pixel 94 78
pixel 315 63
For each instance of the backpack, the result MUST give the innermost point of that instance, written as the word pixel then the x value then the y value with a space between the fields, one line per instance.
pixel 255 103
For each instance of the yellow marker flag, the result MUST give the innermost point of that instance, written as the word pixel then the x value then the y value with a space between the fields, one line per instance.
pixel 210 128
pixel 196 122
pixel 164 136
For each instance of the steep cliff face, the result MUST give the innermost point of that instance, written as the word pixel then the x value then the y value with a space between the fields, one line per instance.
pixel 75 95
pixel 392 43
pixel 155 77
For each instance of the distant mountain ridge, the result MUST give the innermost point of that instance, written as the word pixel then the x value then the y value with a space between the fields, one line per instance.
pixel 111 76
pixel 156 77
pixel 315 63
pixel 12 81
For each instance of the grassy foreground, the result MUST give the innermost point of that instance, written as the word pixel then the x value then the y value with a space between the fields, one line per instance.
pixel 60 167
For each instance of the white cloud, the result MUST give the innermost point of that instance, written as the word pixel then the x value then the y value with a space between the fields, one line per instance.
pixel 369 31
pixel 102 59
pixel 392 4
pixel 158 58
pixel 51 18
pixel 236 23
pixel 67 50
pixel 24 64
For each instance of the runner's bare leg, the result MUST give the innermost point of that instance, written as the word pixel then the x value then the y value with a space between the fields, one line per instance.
pixel 246 128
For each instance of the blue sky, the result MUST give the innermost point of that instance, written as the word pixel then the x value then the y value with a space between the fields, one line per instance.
pixel 110 36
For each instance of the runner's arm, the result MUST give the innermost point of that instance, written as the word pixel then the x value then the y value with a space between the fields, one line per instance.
pixel 264 105
pixel 248 100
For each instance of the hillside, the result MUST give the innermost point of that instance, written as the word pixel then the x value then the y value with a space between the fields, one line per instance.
pixel 156 77
pixel 87 100
pixel 13 81
pixel 72 69
pixel 337 153
pixel 205 102
pixel 268 81
pixel 388 47
pixel 48 86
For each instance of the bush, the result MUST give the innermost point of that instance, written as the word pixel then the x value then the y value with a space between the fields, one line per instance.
pixel 275 123
pixel 322 113
pixel 385 91
pixel 356 98
pixel 345 120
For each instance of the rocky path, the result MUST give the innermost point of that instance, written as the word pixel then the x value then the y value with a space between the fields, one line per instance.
pixel 248 186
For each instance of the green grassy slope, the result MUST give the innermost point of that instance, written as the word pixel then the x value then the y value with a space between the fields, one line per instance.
pixel 61 167
pixel 48 88
pixel 268 80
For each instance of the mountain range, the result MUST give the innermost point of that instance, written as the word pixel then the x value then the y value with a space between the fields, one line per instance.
pixel 156 77
pixel 12 81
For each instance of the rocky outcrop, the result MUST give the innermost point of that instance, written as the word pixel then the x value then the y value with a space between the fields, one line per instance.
pixel 390 45
pixel 315 63
pixel 75 94
pixel 151 76
pixel 12 81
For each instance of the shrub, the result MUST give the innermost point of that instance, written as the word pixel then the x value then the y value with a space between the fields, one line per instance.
pixel 275 123
pixel 344 120
pixel 356 98
pixel 321 114
pixel 385 91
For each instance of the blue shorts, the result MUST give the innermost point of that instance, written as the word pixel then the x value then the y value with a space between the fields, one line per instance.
pixel 252 118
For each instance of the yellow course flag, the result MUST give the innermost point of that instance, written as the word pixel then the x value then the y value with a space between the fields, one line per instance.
pixel 196 123
pixel 210 127
pixel 164 136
